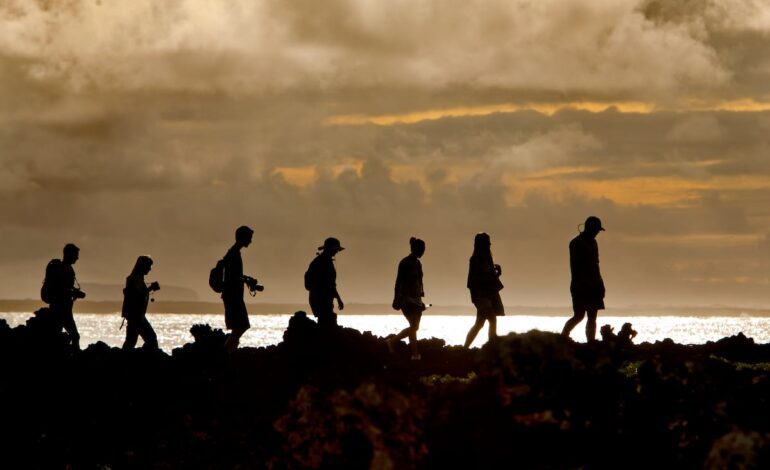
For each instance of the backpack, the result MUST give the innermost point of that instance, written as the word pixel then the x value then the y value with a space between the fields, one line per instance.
pixel 48 290
pixel 217 277
pixel 310 276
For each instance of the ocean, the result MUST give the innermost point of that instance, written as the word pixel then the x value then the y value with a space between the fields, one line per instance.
pixel 173 330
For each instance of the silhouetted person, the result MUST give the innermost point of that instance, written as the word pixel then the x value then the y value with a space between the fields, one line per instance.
pixel 61 289
pixel 626 335
pixel 484 284
pixel 408 295
pixel 587 286
pixel 136 296
pixel 623 339
pixel 321 283
pixel 608 334
pixel 236 315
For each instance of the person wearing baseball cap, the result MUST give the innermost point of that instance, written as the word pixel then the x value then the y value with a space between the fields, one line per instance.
pixel 587 285
pixel 321 283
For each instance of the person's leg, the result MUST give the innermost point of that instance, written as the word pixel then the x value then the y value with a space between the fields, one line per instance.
pixel 403 334
pixel 237 321
pixel 234 339
pixel 148 334
pixel 474 331
pixel 324 310
pixel 132 334
pixel 68 322
pixel 411 330
pixel 591 325
pixel 492 327
pixel 577 317
pixel 414 325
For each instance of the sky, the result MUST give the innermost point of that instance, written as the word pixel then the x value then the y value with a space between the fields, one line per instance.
pixel 157 128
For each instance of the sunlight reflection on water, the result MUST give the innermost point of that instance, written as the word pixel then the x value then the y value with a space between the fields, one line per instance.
pixel 174 330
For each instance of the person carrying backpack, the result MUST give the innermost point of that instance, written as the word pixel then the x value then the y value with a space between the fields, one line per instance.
pixel 233 280
pixel 136 296
pixel 61 289
pixel 321 283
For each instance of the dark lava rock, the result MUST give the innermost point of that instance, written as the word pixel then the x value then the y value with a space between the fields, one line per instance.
pixel 339 399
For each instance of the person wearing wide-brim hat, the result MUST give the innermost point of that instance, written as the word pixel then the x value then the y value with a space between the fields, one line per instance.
pixel 587 286
pixel 321 283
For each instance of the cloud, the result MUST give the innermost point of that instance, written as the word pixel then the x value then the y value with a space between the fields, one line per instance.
pixel 555 147
pixel 696 129
pixel 140 127
pixel 247 47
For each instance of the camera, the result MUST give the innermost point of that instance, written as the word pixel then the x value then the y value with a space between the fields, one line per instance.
pixel 78 294
pixel 253 285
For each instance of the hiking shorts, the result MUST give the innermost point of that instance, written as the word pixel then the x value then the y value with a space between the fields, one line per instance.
pixel 488 305
pixel 236 315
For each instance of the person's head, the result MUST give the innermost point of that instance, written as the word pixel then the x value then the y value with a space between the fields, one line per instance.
pixel 71 253
pixel 243 236
pixel 592 226
pixel 331 246
pixel 482 244
pixel 417 246
pixel 143 265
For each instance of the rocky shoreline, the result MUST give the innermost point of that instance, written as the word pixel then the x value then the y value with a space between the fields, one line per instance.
pixel 340 400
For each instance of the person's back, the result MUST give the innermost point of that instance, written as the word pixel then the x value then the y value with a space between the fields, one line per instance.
pixel 136 296
pixel 584 258
pixel 233 276
pixel 60 278
pixel 409 288
pixel 483 278
pixel 584 266
pixel 322 276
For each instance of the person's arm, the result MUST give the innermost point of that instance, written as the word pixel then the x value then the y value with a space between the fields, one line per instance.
pixel 340 304
pixel 333 277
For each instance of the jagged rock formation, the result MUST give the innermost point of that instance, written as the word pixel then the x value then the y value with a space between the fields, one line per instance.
pixel 340 400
